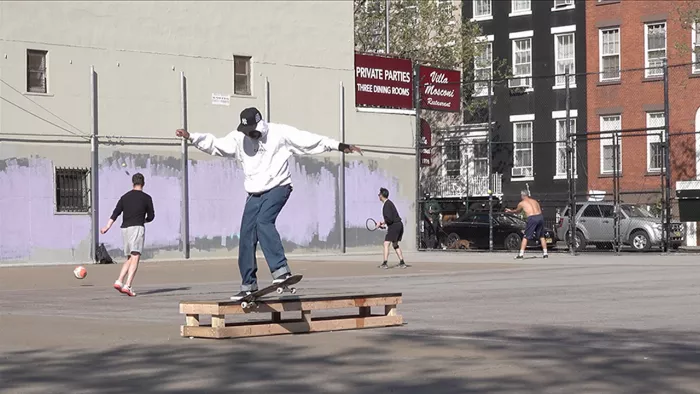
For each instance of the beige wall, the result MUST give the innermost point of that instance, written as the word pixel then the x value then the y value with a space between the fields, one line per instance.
pixel 139 49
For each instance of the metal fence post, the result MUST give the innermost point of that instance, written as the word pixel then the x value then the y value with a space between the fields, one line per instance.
pixel 419 142
pixel 94 167
pixel 570 166
pixel 667 163
pixel 184 179
pixel 616 191
pixel 341 170
pixel 267 100
pixel 489 154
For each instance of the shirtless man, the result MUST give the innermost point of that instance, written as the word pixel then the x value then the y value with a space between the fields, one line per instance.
pixel 535 222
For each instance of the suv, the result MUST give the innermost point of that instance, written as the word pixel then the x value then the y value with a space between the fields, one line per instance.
pixel 595 224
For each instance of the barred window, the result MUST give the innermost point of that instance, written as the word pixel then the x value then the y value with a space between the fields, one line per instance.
pixel 72 193
pixel 655 136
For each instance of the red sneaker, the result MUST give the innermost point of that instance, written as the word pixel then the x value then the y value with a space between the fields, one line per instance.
pixel 118 286
pixel 127 290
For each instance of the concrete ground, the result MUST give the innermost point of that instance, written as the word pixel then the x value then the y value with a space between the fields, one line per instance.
pixel 475 323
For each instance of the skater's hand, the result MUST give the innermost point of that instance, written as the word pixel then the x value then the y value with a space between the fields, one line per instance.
pixel 182 133
pixel 349 148
pixel 104 230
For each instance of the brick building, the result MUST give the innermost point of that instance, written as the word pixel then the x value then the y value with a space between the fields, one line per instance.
pixel 626 42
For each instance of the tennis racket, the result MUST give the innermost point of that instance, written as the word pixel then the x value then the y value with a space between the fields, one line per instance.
pixel 371 224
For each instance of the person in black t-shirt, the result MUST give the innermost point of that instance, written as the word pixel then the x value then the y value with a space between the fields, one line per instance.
pixel 137 207
pixel 392 222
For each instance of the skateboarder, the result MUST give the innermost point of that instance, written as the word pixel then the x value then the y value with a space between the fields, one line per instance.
pixel 394 233
pixel 535 222
pixel 263 150
pixel 137 207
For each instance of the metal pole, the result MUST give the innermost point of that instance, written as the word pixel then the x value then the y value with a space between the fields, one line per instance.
pixel 386 16
pixel 94 168
pixel 341 170
pixel 616 189
pixel 419 138
pixel 570 173
pixel 267 100
pixel 184 179
pixel 490 170
pixel 667 161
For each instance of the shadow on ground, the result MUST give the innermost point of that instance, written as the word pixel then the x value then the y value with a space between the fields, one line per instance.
pixel 541 360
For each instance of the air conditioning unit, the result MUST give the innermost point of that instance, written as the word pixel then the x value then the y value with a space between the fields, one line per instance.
pixel 524 82
pixel 521 171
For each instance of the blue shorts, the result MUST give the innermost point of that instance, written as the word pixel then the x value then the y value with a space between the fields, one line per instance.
pixel 535 227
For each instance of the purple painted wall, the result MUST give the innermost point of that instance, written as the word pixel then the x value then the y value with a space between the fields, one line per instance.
pixel 28 222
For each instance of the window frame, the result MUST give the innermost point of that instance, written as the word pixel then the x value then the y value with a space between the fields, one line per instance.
pixel 45 72
pixel 484 91
pixel 457 145
pixel 601 55
pixel 249 75
pixel 647 67
pixel 561 143
pixel 572 70
pixel 695 47
pixel 484 16
pixel 530 147
pixel 527 77
pixel 526 11
pixel 82 186
pixel 654 137
pixel 608 141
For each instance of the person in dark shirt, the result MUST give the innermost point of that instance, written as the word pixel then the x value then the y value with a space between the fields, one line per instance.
pixel 392 222
pixel 137 209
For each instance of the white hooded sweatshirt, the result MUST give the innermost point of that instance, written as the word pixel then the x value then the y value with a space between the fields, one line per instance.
pixel 265 161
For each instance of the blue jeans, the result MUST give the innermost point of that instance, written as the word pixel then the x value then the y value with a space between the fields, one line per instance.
pixel 258 224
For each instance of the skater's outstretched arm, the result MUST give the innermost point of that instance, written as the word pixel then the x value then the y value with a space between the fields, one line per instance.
pixel 118 209
pixel 305 143
pixel 209 143
pixel 150 212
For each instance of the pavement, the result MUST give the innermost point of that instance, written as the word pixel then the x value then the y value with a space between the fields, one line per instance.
pixel 474 323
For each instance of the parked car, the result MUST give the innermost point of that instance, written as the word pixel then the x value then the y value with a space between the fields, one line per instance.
pixel 595 224
pixel 508 230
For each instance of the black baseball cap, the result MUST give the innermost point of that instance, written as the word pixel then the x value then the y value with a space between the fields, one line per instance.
pixel 249 119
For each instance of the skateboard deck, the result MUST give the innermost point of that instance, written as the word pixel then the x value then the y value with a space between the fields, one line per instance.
pixel 249 300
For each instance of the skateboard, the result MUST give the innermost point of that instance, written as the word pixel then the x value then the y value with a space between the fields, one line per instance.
pixel 249 300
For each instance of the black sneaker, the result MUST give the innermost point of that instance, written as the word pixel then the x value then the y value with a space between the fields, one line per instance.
pixel 384 266
pixel 519 257
pixel 402 265
pixel 240 295
pixel 281 278
pixel 545 256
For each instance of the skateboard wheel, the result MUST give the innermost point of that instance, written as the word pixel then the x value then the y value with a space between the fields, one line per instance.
pixel 280 290
pixel 244 304
pixel 294 290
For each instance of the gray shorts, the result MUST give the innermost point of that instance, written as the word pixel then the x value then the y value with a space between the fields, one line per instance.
pixel 133 239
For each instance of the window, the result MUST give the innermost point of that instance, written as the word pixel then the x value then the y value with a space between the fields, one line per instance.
pixel 480 156
pixel 591 211
pixel 696 47
pixel 655 48
pixel 565 58
pixel 72 190
pixel 241 75
pixel 453 158
pixel 519 6
pixel 655 158
pixel 610 54
pixel 36 71
pixel 563 3
pixel 522 63
pixel 482 9
pixel 610 123
pixel 522 149
pixel 561 146
pixel 483 68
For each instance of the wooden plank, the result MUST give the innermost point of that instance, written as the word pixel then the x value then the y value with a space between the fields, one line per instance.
pixel 292 327
pixel 289 304
pixel 192 320
pixel 276 316
pixel 331 297
pixel 218 321
pixel 306 316
pixel 390 310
